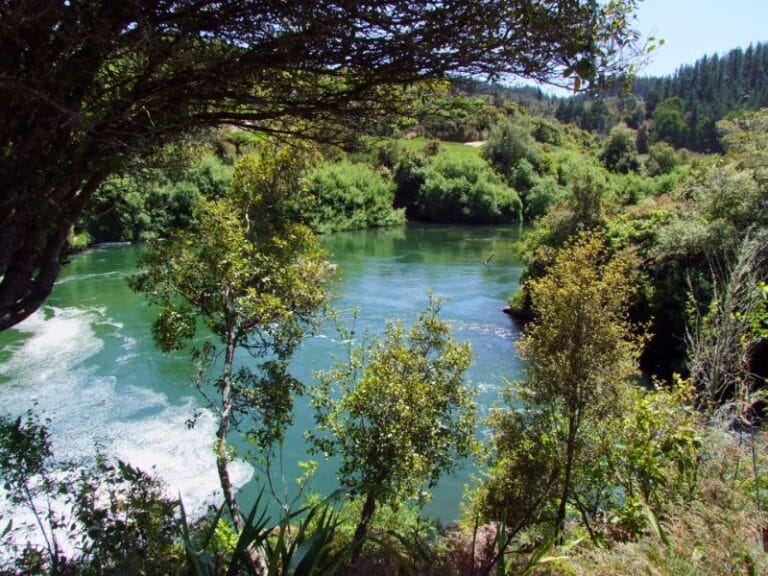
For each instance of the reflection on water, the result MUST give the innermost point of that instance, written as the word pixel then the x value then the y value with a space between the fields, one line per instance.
pixel 87 362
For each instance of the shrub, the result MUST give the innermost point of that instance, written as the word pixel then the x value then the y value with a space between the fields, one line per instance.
pixel 543 194
pixel 507 145
pixel 409 177
pixel 662 159
pixel 547 131
pixel 211 177
pixel 716 531
pixel 619 153
pixel 351 196
pixel 465 190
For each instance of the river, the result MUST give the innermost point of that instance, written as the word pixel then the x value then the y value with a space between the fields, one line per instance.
pixel 86 360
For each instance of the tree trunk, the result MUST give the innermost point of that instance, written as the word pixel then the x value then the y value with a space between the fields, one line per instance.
pixel 369 507
pixel 31 251
pixel 570 450
pixel 222 460
pixel 255 557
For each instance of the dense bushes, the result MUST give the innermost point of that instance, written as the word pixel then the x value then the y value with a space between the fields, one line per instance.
pixel 128 209
pixel 465 190
pixel 150 203
pixel 351 196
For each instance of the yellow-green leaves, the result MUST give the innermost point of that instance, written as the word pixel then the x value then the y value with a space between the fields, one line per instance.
pixel 404 416
pixel 255 278
pixel 582 346
pixel 581 356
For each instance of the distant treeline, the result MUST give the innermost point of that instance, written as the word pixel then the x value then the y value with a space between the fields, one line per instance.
pixel 692 100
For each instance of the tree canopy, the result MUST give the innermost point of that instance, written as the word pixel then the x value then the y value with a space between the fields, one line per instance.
pixel 405 416
pixel 257 280
pixel 88 86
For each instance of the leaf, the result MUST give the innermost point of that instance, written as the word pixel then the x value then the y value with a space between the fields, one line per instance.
pixel 656 526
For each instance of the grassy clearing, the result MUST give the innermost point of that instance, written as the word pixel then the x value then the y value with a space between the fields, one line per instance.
pixel 455 149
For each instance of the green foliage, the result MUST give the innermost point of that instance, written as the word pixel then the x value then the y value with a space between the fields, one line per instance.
pixel 130 525
pixel 729 195
pixel 758 318
pixel 619 153
pixel 717 528
pixel 409 177
pixel 347 196
pixel 743 135
pixel 464 190
pixel 124 82
pixel 256 279
pixel 668 122
pixel 210 176
pixel 721 341
pixel 150 204
pixel 654 459
pixel 458 119
pixel 99 519
pixel 544 193
pixel 244 268
pixel 633 188
pixel 302 543
pixel 508 144
pixel 403 417
pixel 662 159
pixel 581 438
pixel 587 188
pixel 521 482
pixel 389 154
pixel 243 141
pixel 581 354
pixel 546 131
pixel 79 241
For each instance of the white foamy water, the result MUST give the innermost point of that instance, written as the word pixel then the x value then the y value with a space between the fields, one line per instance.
pixel 54 370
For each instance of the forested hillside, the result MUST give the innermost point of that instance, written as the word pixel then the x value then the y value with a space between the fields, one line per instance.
pixel 682 109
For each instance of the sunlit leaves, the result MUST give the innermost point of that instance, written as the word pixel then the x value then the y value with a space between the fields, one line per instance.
pixel 246 277
pixel 404 416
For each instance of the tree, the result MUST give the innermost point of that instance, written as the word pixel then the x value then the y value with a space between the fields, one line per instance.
pixel 404 417
pixel 89 86
pixel 744 137
pixel 619 153
pixel 508 145
pixel 668 122
pixel 580 355
pixel 257 281
pixel 465 189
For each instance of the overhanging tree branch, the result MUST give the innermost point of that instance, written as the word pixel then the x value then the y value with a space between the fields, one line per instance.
pixel 88 86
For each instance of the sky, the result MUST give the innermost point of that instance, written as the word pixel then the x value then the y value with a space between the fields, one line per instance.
pixel 693 28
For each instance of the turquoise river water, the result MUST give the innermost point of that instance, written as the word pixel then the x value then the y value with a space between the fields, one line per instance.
pixel 87 362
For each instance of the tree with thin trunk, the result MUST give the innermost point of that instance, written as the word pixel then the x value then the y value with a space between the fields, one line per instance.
pixel 397 414
pixel 256 280
pixel 581 350
pixel 581 356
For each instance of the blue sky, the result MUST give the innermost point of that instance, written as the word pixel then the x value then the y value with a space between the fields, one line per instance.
pixel 692 28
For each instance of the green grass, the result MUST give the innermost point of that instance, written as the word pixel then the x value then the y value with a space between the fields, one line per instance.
pixel 456 149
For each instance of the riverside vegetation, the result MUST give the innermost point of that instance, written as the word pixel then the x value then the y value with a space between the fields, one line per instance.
pixel 634 445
